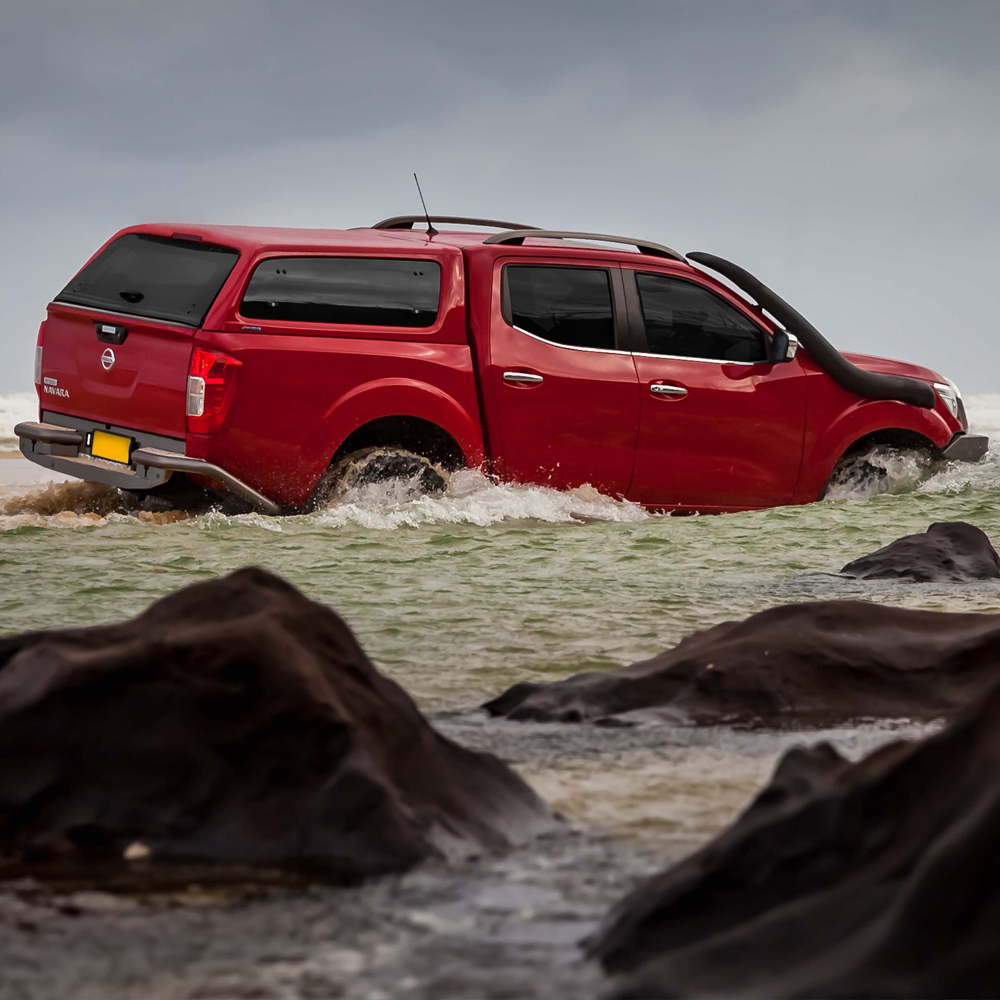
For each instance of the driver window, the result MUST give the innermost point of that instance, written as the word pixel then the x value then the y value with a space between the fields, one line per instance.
pixel 685 320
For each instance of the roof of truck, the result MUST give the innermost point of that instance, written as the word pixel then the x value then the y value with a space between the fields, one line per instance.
pixel 256 238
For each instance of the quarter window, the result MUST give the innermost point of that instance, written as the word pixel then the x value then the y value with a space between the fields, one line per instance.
pixel 687 321
pixel 566 305
pixel 366 291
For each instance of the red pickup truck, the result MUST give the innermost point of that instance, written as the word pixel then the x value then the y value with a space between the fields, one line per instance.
pixel 278 365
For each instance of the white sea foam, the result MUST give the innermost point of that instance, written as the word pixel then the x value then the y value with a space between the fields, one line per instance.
pixel 15 407
pixel 471 498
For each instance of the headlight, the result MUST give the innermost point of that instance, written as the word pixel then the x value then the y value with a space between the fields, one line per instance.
pixel 950 395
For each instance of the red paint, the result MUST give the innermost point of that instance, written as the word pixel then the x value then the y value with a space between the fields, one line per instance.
pixel 735 438
pixel 144 388
pixel 579 424
pixel 744 436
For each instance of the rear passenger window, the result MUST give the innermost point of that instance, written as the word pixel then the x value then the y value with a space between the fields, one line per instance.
pixel 567 305
pixel 366 291
pixel 688 321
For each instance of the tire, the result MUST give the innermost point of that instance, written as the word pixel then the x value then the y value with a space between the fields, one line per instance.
pixel 417 476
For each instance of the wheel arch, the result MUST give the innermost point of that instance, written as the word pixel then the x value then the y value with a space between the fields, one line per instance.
pixel 415 434
pixel 409 414
pixel 864 425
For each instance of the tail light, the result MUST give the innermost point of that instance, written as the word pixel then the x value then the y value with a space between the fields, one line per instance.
pixel 211 379
pixel 38 353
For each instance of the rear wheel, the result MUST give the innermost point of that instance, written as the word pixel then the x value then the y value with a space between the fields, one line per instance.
pixel 412 475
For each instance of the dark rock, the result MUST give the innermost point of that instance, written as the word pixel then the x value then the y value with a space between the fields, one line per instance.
pixel 819 663
pixel 874 879
pixel 235 721
pixel 948 552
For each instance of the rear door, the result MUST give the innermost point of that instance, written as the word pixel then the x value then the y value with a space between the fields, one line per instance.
pixel 721 427
pixel 564 383
pixel 117 341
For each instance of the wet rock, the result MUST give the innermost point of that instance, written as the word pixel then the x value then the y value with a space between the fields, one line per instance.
pixel 819 663
pixel 948 552
pixel 877 879
pixel 234 721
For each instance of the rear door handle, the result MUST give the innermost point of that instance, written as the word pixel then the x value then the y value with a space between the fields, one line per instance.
pixel 522 378
pixel 659 389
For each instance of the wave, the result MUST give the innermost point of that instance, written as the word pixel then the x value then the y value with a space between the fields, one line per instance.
pixel 471 498
pixel 74 504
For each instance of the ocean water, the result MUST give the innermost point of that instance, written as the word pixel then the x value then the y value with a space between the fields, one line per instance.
pixel 458 597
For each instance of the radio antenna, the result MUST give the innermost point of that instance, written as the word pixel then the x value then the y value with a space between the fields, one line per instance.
pixel 431 231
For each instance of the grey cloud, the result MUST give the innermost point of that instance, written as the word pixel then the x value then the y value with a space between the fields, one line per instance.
pixel 846 151
pixel 176 79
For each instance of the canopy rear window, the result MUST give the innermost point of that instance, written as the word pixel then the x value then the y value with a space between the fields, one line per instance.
pixel 154 276
pixel 365 291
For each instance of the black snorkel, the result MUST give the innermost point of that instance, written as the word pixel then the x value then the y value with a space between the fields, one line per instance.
pixel 870 385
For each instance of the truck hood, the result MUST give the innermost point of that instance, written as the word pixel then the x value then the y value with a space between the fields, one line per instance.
pixel 888 366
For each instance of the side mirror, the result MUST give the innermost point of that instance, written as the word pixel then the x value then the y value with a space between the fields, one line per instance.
pixel 783 347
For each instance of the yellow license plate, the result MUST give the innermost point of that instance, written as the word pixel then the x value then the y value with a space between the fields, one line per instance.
pixel 111 447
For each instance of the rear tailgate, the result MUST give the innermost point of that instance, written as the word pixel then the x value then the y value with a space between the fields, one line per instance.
pixel 117 342
pixel 139 383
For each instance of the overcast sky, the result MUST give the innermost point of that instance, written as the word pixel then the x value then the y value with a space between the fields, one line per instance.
pixel 848 153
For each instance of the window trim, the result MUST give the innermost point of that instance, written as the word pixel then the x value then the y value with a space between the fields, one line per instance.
pixel 619 313
pixel 320 327
pixel 637 320
pixel 122 315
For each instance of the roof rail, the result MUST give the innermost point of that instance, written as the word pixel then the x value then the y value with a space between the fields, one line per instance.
pixel 407 221
pixel 517 236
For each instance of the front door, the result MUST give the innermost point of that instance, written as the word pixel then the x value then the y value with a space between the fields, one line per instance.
pixel 721 427
pixel 564 384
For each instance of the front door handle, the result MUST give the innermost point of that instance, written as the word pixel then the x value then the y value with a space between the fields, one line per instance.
pixel 522 378
pixel 659 389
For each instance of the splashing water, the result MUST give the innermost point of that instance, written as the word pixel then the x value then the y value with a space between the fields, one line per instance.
pixel 884 470
pixel 471 498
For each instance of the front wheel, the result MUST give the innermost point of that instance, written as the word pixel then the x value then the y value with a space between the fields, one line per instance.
pixel 409 475
pixel 877 470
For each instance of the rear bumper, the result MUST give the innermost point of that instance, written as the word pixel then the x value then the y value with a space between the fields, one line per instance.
pixel 966 448
pixel 64 449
